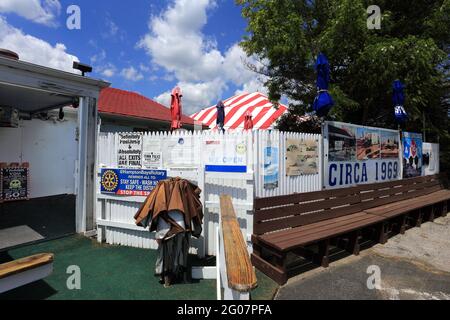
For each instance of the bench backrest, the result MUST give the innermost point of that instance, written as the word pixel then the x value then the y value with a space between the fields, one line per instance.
pixel 378 194
pixel 284 212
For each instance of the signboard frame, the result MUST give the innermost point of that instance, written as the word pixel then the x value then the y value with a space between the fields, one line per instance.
pixel 355 158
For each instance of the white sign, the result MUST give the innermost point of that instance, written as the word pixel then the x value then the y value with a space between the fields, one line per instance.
pixel 179 151
pixel 359 155
pixel 225 155
pixel 130 150
pixel 151 153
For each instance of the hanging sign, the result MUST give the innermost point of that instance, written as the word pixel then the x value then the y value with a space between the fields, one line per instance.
pixel 130 150
pixel 412 155
pixel 14 181
pixel 359 155
pixel 130 182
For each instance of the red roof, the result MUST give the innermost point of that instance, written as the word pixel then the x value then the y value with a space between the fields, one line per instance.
pixel 131 104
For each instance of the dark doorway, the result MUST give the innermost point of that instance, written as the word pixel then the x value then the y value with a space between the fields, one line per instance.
pixel 37 219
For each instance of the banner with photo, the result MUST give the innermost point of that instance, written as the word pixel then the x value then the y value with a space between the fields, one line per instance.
pixel 412 155
pixel 302 157
pixel 271 165
pixel 358 155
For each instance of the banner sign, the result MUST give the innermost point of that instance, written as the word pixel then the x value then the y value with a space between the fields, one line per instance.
pixel 430 163
pixel 130 182
pixel 358 155
pixel 130 150
pixel 412 155
pixel 302 157
pixel 14 182
pixel 225 155
pixel 271 167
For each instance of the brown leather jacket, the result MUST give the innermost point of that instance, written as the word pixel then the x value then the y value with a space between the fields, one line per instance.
pixel 172 194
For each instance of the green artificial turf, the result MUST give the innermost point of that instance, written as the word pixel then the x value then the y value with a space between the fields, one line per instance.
pixel 111 273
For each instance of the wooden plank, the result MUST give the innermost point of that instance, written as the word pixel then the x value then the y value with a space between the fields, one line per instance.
pixel 294 243
pixel 268 202
pixel 300 220
pixel 301 232
pixel 24 264
pixel 305 228
pixel 269 270
pixel 296 209
pixel 292 198
pixel 240 272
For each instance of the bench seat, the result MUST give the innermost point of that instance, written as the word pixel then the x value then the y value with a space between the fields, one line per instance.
pixel 409 205
pixel 20 272
pixel 342 218
pixel 289 239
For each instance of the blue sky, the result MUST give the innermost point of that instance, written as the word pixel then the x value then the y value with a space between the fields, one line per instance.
pixel 147 46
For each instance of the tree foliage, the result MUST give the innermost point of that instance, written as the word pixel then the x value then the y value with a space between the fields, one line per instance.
pixel 412 45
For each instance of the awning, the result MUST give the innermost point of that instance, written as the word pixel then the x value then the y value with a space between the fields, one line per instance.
pixel 264 113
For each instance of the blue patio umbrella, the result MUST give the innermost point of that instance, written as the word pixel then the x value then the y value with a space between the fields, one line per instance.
pixel 398 99
pixel 220 116
pixel 323 102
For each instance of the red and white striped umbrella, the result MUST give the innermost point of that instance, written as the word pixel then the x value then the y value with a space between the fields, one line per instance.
pixel 264 114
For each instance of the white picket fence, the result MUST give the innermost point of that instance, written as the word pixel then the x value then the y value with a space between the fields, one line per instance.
pixel 115 222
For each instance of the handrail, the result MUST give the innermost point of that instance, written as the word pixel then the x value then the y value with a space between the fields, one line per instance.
pixel 239 269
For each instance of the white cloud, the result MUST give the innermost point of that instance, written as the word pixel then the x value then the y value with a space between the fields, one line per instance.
pixel 176 43
pixel 131 74
pixel 39 11
pixel 34 50
pixel 108 70
pixel 195 95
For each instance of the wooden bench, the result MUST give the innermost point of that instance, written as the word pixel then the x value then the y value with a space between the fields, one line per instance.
pixel 406 202
pixel 292 223
pixel 20 272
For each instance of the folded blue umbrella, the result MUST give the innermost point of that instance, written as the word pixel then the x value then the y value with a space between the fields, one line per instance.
pixel 398 99
pixel 220 116
pixel 323 102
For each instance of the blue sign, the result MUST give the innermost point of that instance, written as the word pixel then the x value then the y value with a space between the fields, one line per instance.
pixel 130 182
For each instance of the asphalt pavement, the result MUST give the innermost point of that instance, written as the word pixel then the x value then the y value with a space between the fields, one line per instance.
pixel 414 266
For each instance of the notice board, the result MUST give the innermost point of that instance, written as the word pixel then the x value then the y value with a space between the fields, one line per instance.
pixel 14 183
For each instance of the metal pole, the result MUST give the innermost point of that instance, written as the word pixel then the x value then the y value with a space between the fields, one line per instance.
pixel 424 133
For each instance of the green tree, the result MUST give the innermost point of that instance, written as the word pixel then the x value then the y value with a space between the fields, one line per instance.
pixel 412 45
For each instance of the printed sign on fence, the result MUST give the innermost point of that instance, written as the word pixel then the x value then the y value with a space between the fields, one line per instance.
pixel 130 150
pixel 271 167
pixel 225 155
pixel 130 182
pixel 179 151
pixel 302 157
pixel 359 155
pixel 14 182
pixel 412 155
